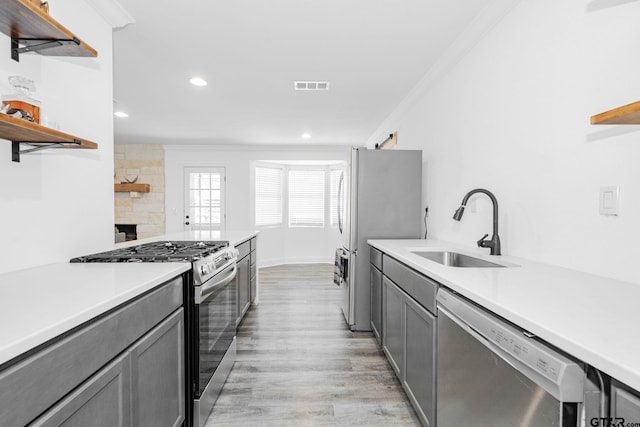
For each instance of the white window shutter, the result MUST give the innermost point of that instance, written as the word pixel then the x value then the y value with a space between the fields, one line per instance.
pixel 268 196
pixel 306 198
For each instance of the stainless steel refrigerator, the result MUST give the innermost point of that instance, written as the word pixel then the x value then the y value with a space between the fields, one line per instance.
pixel 379 198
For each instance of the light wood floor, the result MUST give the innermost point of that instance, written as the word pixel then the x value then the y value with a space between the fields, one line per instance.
pixel 299 365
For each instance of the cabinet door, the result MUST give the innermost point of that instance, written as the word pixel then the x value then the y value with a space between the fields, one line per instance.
pixel 244 287
pixel 419 362
pixel 157 372
pixel 253 274
pixel 104 400
pixel 392 340
pixel 625 403
pixel 376 302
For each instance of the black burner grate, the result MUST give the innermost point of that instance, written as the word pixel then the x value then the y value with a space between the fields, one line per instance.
pixel 165 251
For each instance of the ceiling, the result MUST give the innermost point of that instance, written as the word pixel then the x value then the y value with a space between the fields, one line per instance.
pixel 373 52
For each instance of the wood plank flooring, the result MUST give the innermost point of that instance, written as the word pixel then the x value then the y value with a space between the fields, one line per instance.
pixel 298 364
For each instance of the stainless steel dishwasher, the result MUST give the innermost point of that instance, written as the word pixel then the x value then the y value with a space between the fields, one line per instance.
pixel 491 374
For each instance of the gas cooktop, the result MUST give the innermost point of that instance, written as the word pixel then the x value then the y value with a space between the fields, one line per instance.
pixel 175 251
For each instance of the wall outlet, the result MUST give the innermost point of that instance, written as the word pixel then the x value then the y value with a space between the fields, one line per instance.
pixel 426 211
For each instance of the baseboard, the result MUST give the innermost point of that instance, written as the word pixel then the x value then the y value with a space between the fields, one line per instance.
pixel 283 261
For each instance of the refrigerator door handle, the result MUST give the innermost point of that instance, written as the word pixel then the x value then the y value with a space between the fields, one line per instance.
pixel 340 200
pixel 344 253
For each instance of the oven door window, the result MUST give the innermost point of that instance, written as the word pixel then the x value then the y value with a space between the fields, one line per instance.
pixel 216 320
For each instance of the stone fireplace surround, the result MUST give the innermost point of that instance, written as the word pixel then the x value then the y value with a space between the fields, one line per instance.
pixel 145 210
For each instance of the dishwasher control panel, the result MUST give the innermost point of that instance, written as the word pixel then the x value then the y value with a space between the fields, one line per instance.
pixel 516 345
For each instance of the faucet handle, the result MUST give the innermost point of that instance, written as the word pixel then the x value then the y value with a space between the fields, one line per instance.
pixel 481 241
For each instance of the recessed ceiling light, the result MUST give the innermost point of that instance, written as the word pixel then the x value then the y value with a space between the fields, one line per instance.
pixel 121 114
pixel 197 81
pixel 305 135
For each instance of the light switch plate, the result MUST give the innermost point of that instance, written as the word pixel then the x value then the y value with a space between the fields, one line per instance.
pixel 609 200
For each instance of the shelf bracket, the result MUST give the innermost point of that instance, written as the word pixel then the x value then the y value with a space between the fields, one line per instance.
pixel 16 152
pixel 34 45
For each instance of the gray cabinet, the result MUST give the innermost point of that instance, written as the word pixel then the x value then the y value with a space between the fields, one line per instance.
pixel 375 280
pixel 157 375
pixel 254 277
pixel 625 403
pixel 102 401
pixel 409 333
pixel 244 287
pixel 392 340
pixel 246 278
pixel 143 387
pixel 87 373
pixel 376 302
pixel 419 380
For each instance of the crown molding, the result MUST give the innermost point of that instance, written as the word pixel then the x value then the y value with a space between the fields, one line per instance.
pixel 257 147
pixel 112 12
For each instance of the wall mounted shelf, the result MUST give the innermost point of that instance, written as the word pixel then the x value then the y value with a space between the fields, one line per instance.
pixel 626 115
pixel 127 188
pixel 22 132
pixel 36 31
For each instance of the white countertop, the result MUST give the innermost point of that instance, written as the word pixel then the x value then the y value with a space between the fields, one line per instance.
pixel 41 303
pixel 593 318
pixel 233 236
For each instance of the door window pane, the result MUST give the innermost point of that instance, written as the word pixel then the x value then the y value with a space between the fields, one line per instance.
pixel 205 200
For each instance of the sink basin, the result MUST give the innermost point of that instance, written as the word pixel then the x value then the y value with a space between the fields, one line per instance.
pixel 455 259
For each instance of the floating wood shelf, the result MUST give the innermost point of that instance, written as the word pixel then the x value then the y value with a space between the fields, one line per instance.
pixel 34 29
pixel 626 115
pixel 20 131
pixel 127 188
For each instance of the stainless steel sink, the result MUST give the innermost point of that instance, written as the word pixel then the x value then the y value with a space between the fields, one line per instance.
pixel 455 259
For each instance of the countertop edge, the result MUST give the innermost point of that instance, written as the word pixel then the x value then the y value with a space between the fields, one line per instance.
pixel 613 359
pixel 34 338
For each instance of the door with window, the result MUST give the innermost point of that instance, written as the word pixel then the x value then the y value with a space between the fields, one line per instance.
pixel 204 204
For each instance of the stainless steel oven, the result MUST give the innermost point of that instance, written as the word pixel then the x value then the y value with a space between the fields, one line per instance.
pixel 214 318
pixel 210 313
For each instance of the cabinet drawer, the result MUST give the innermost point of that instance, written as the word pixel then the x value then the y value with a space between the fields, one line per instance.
pixel 31 386
pixel 105 399
pixel 375 257
pixel 419 287
pixel 243 249
pixel 252 243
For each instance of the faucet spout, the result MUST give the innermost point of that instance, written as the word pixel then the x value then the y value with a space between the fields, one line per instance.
pixel 494 243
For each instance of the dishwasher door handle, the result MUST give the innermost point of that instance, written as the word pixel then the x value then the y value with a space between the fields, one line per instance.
pixel 558 388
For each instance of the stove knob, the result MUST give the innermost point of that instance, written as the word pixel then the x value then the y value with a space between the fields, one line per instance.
pixel 204 269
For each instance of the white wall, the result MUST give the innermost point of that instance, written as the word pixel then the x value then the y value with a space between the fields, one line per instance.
pixel 275 245
pixel 57 204
pixel 513 117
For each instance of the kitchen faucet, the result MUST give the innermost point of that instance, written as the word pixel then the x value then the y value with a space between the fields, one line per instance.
pixel 494 242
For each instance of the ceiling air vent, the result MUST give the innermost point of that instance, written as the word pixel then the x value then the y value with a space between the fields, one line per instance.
pixel 311 85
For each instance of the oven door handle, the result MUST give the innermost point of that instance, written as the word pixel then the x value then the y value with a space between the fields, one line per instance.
pixel 204 291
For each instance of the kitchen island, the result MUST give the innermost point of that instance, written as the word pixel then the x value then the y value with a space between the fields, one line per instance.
pixel 590 317
pixel 99 334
